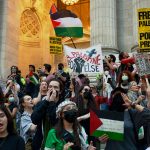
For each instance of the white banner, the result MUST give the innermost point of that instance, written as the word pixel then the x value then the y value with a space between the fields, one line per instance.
pixel 86 61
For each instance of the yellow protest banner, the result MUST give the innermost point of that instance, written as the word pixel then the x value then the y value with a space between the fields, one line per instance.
pixel 55 45
pixel 144 29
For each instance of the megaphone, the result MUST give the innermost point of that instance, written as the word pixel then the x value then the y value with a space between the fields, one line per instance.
pixel 130 60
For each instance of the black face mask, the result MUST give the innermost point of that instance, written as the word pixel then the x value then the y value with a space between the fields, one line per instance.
pixel 70 115
pixel 87 94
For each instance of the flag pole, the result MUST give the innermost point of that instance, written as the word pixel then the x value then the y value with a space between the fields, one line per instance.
pixel 73 43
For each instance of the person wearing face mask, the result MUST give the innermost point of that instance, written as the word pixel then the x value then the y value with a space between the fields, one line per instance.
pixel 124 79
pixel 128 66
pixel 108 84
pixel 85 102
pixel 124 83
pixel 67 134
pixel 110 61
pixel 135 116
pixel 11 104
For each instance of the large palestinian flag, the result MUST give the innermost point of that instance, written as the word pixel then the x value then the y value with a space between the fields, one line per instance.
pixel 112 124
pixel 66 23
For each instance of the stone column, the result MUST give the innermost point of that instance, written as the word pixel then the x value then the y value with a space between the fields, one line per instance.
pixel 3 7
pixel 9 25
pixel 137 4
pixel 125 25
pixel 103 24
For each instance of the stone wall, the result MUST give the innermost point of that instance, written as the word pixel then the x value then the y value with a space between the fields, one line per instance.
pixel 34 42
pixel 9 35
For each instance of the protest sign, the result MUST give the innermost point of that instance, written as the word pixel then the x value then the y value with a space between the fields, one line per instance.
pixel 144 29
pixel 86 61
pixel 110 123
pixel 142 62
pixel 55 45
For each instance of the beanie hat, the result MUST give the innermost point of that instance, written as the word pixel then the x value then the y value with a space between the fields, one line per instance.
pixel 62 105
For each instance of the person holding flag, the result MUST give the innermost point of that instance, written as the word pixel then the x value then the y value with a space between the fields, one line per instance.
pixel 66 23
pixel 32 81
pixel 135 117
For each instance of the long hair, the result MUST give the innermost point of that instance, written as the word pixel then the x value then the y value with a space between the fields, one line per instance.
pixel 1 96
pixel 21 109
pixel 61 95
pixel 121 56
pixel 78 99
pixel 117 100
pixel 76 130
pixel 10 125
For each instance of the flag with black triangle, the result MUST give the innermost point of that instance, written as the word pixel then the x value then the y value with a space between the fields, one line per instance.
pixel 107 122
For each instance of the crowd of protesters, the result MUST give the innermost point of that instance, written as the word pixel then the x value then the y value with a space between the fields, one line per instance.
pixel 51 111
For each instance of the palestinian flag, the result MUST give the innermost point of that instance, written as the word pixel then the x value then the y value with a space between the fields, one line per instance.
pixel 112 124
pixel 66 23
pixel 33 79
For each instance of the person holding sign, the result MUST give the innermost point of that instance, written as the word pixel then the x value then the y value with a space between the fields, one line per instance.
pixel 133 121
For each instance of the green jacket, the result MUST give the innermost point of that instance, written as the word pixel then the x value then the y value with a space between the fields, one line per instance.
pixel 53 142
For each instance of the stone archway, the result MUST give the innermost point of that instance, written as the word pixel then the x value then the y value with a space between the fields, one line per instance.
pixel 30 40
pixel 35 29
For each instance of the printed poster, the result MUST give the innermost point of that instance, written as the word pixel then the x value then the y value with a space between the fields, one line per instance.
pixel 55 45
pixel 144 29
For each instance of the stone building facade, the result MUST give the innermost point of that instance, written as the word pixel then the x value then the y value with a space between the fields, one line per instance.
pixel 114 24
pixel 25 28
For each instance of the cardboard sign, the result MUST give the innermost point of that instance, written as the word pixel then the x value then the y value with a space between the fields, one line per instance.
pixel 56 45
pixel 86 61
pixel 142 64
pixel 144 29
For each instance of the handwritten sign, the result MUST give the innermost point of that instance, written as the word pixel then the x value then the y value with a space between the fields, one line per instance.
pixel 85 60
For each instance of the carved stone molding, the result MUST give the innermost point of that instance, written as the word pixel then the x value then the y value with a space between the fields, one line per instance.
pixel 30 28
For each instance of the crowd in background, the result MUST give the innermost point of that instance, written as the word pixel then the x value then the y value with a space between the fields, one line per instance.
pixel 51 111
